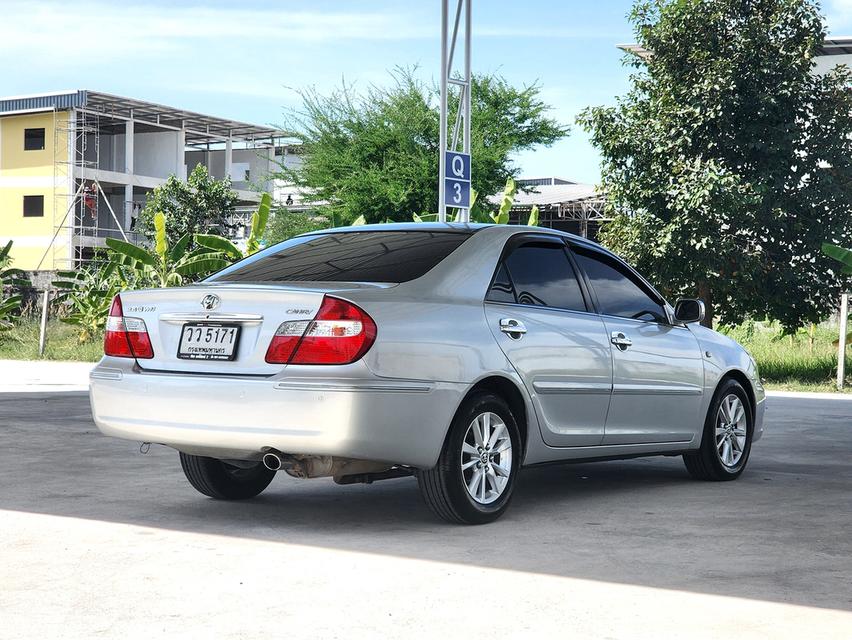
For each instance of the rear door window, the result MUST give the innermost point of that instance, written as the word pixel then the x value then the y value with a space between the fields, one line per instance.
pixel 538 274
pixel 357 256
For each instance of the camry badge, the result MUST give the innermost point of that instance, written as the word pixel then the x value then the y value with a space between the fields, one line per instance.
pixel 210 301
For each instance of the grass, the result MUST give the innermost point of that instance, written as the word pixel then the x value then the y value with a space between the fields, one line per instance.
pixel 803 362
pixel 21 343
pixel 806 361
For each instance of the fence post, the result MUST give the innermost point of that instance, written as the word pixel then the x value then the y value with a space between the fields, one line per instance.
pixel 841 344
pixel 43 332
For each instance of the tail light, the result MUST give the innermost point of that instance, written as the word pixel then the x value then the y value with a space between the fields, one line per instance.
pixel 126 337
pixel 339 334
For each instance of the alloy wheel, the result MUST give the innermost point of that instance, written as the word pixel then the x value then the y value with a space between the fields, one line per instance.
pixel 731 430
pixel 486 460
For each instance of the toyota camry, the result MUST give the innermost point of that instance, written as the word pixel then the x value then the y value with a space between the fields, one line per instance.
pixel 457 354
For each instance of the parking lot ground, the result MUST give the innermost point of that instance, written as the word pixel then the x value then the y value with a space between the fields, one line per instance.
pixel 97 540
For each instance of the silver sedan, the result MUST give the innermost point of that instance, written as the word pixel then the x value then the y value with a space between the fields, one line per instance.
pixel 454 353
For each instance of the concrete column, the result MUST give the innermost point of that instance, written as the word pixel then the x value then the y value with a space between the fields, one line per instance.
pixel 229 156
pixel 129 131
pixel 180 154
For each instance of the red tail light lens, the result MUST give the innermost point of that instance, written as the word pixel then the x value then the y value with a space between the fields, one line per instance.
pixel 340 333
pixel 126 337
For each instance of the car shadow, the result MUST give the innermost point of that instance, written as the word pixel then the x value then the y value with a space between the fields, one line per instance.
pixel 642 521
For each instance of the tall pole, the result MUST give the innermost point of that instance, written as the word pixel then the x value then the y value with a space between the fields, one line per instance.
pixel 465 217
pixel 442 159
pixel 841 344
pixel 448 49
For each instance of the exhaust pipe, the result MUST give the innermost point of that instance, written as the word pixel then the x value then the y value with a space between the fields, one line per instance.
pixel 272 461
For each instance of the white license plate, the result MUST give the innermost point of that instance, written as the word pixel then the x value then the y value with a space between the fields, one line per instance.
pixel 208 341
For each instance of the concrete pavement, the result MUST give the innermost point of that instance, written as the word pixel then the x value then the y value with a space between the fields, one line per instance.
pixel 97 540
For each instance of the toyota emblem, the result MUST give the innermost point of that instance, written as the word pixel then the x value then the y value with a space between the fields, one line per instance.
pixel 210 301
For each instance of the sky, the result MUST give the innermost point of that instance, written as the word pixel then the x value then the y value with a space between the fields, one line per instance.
pixel 244 59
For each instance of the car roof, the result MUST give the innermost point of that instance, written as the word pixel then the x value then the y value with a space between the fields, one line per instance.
pixel 457 227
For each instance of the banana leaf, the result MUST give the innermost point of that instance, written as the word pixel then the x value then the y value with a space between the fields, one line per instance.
pixel 219 244
pixel 126 249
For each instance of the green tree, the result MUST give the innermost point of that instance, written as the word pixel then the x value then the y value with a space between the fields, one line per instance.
pixel 284 224
pixel 375 153
pixel 729 161
pixel 199 205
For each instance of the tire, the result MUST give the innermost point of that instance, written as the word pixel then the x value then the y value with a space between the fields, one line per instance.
pixel 222 481
pixel 445 488
pixel 713 460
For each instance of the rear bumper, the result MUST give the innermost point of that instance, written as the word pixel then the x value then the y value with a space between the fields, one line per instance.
pixel 397 421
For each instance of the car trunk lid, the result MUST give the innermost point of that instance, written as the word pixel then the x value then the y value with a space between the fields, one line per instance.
pixel 246 314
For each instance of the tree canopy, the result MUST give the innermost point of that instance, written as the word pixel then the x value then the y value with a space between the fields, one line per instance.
pixel 729 161
pixel 375 153
pixel 200 205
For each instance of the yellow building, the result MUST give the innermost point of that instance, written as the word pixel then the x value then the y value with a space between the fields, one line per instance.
pixel 76 167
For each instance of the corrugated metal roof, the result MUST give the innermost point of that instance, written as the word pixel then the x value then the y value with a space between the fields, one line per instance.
pixel 553 194
pixel 46 101
pixel 832 46
pixel 121 107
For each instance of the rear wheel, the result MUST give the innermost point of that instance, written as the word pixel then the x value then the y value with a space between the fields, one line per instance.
pixel 223 481
pixel 475 475
pixel 726 442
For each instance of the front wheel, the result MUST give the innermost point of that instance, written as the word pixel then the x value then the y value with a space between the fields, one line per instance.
pixel 220 480
pixel 475 475
pixel 726 441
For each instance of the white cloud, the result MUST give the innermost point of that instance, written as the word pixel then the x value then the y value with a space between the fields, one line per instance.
pixel 93 30
pixel 839 15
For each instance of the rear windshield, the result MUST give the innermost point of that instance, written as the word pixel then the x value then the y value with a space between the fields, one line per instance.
pixel 357 256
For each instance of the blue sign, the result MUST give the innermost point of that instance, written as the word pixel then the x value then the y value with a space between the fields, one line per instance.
pixel 458 165
pixel 457 181
pixel 457 193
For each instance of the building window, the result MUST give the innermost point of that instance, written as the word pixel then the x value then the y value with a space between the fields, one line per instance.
pixel 33 206
pixel 33 139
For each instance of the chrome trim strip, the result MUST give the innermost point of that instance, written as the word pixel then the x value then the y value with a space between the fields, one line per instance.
pixel 572 387
pixel 245 318
pixel 105 373
pixel 371 387
pixel 657 390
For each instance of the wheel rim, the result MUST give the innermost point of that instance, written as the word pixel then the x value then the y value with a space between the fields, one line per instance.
pixel 486 460
pixel 731 430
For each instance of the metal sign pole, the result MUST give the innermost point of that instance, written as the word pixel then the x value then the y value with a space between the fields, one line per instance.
pixel 442 159
pixel 454 190
pixel 841 344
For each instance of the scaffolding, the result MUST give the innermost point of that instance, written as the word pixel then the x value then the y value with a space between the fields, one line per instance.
pixel 76 157
pixel 77 193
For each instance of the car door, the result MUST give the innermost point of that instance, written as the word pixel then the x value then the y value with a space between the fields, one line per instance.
pixel 658 372
pixel 538 312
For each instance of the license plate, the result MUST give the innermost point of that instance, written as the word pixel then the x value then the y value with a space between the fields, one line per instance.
pixel 208 341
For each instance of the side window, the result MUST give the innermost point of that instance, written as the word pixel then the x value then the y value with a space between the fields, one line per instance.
pixel 33 139
pixel 619 293
pixel 538 274
pixel 502 289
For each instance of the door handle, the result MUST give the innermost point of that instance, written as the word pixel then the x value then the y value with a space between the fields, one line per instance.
pixel 620 340
pixel 513 328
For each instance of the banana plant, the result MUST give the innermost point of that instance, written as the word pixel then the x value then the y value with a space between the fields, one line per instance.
pixel 259 219
pixel 840 254
pixel 166 266
pixel 222 246
pixel 87 294
pixel 10 279
pixel 509 192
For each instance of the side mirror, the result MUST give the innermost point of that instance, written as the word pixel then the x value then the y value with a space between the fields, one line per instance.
pixel 689 310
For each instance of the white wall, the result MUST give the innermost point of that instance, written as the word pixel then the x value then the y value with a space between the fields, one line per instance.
pixel 154 154
pixel 824 64
pixel 258 161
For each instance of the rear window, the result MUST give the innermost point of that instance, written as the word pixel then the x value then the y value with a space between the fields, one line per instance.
pixel 358 256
